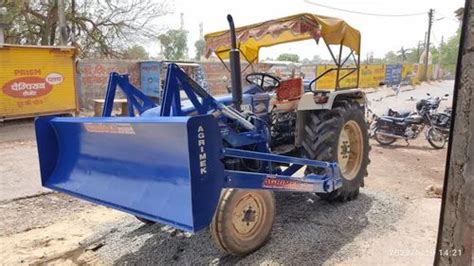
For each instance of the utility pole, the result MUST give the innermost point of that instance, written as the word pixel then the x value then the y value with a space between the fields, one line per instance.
pixel 62 23
pixel 427 44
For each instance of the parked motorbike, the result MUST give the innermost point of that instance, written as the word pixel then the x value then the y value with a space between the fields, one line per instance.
pixel 388 129
pixel 442 121
pixel 372 118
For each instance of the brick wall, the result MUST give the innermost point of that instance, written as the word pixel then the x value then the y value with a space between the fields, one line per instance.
pixel 218 77
pixel 93 74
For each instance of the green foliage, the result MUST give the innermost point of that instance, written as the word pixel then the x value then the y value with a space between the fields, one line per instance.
pixel 316 60
pixel 413 56
pixel 174 44
pixel 199 45
pixel 391 58
pixel 288 57
pixel 435 55
pixel 445 54
pixel 448 53
pixel 136 52
pixel 409 56
pixel 376 61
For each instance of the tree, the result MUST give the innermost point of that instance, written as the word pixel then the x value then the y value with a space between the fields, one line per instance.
pixel 99 28
pixel 377 61
pixel 391 58
pixel 435 55
pixel 288 57
pixel 199 45
pixel 448 52
pixel 306 61
pixel 135 52
pixel 413 56
pixel 174 44
pixel 316 59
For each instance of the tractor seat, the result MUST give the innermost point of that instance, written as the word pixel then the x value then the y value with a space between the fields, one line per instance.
pixel 290 90
pixel 288 94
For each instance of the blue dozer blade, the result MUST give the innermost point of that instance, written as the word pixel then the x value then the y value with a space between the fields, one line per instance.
pixel 164 169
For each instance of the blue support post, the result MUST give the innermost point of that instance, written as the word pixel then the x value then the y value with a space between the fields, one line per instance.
pixel 131 93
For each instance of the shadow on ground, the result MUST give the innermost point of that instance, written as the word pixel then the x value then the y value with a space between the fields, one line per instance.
pixel 306 230
pixel 405 146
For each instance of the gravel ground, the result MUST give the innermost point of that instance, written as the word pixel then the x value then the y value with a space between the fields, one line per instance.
pixel 304 226
pixel 38 209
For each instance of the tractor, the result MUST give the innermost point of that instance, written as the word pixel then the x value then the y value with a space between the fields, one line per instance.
pixel 215 162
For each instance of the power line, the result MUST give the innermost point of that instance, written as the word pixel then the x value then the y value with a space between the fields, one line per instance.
pixel 446 17
pixel 365 13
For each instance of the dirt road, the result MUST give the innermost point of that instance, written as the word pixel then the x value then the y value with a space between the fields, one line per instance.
pixel 392 222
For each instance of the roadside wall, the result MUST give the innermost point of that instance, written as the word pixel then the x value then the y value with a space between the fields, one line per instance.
pixel 93 75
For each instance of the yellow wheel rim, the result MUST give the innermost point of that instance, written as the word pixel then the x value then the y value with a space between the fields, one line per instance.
pixel 350 150
pixel 247 216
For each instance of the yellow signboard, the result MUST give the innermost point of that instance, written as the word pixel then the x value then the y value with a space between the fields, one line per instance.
pixel 36 80
pixel 370 77
pixel 328 81
pixel 421 72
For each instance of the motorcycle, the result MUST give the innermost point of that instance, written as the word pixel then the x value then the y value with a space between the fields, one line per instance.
pixel 388 128
pixel 442 121
pixel 372 118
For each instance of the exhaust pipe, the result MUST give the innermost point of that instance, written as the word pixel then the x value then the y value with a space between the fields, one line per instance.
pixel 389 135
pixel 234 56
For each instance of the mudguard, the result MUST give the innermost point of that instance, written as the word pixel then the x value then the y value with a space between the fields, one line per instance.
pixel 164 169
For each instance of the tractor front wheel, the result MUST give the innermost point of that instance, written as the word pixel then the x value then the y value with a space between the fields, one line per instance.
pixel 339 135
pixel 243 220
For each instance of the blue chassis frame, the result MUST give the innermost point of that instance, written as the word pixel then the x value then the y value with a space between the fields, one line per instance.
pixel 204 103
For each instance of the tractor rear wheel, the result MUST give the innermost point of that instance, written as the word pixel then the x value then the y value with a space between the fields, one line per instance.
pixel 243 220
pixel 339 135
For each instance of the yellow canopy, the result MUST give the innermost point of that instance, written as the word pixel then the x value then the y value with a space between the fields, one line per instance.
pixel 283 30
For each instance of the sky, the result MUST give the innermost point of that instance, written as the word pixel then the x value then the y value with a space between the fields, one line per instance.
pixel 379 34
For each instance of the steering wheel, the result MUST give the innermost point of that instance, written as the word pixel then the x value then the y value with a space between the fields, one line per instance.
pixel 266 81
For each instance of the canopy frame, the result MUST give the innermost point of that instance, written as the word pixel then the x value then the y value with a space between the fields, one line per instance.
pixel 337 31
pixel 339 62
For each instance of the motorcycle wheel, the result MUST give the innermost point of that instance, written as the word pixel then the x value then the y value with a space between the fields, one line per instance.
pixel 383 140
pixel 435 138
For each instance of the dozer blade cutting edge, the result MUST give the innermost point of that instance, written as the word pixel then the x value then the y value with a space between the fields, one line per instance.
pixel 164 169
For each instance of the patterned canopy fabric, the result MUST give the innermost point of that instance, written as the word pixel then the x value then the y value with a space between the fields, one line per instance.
pixel 283 30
